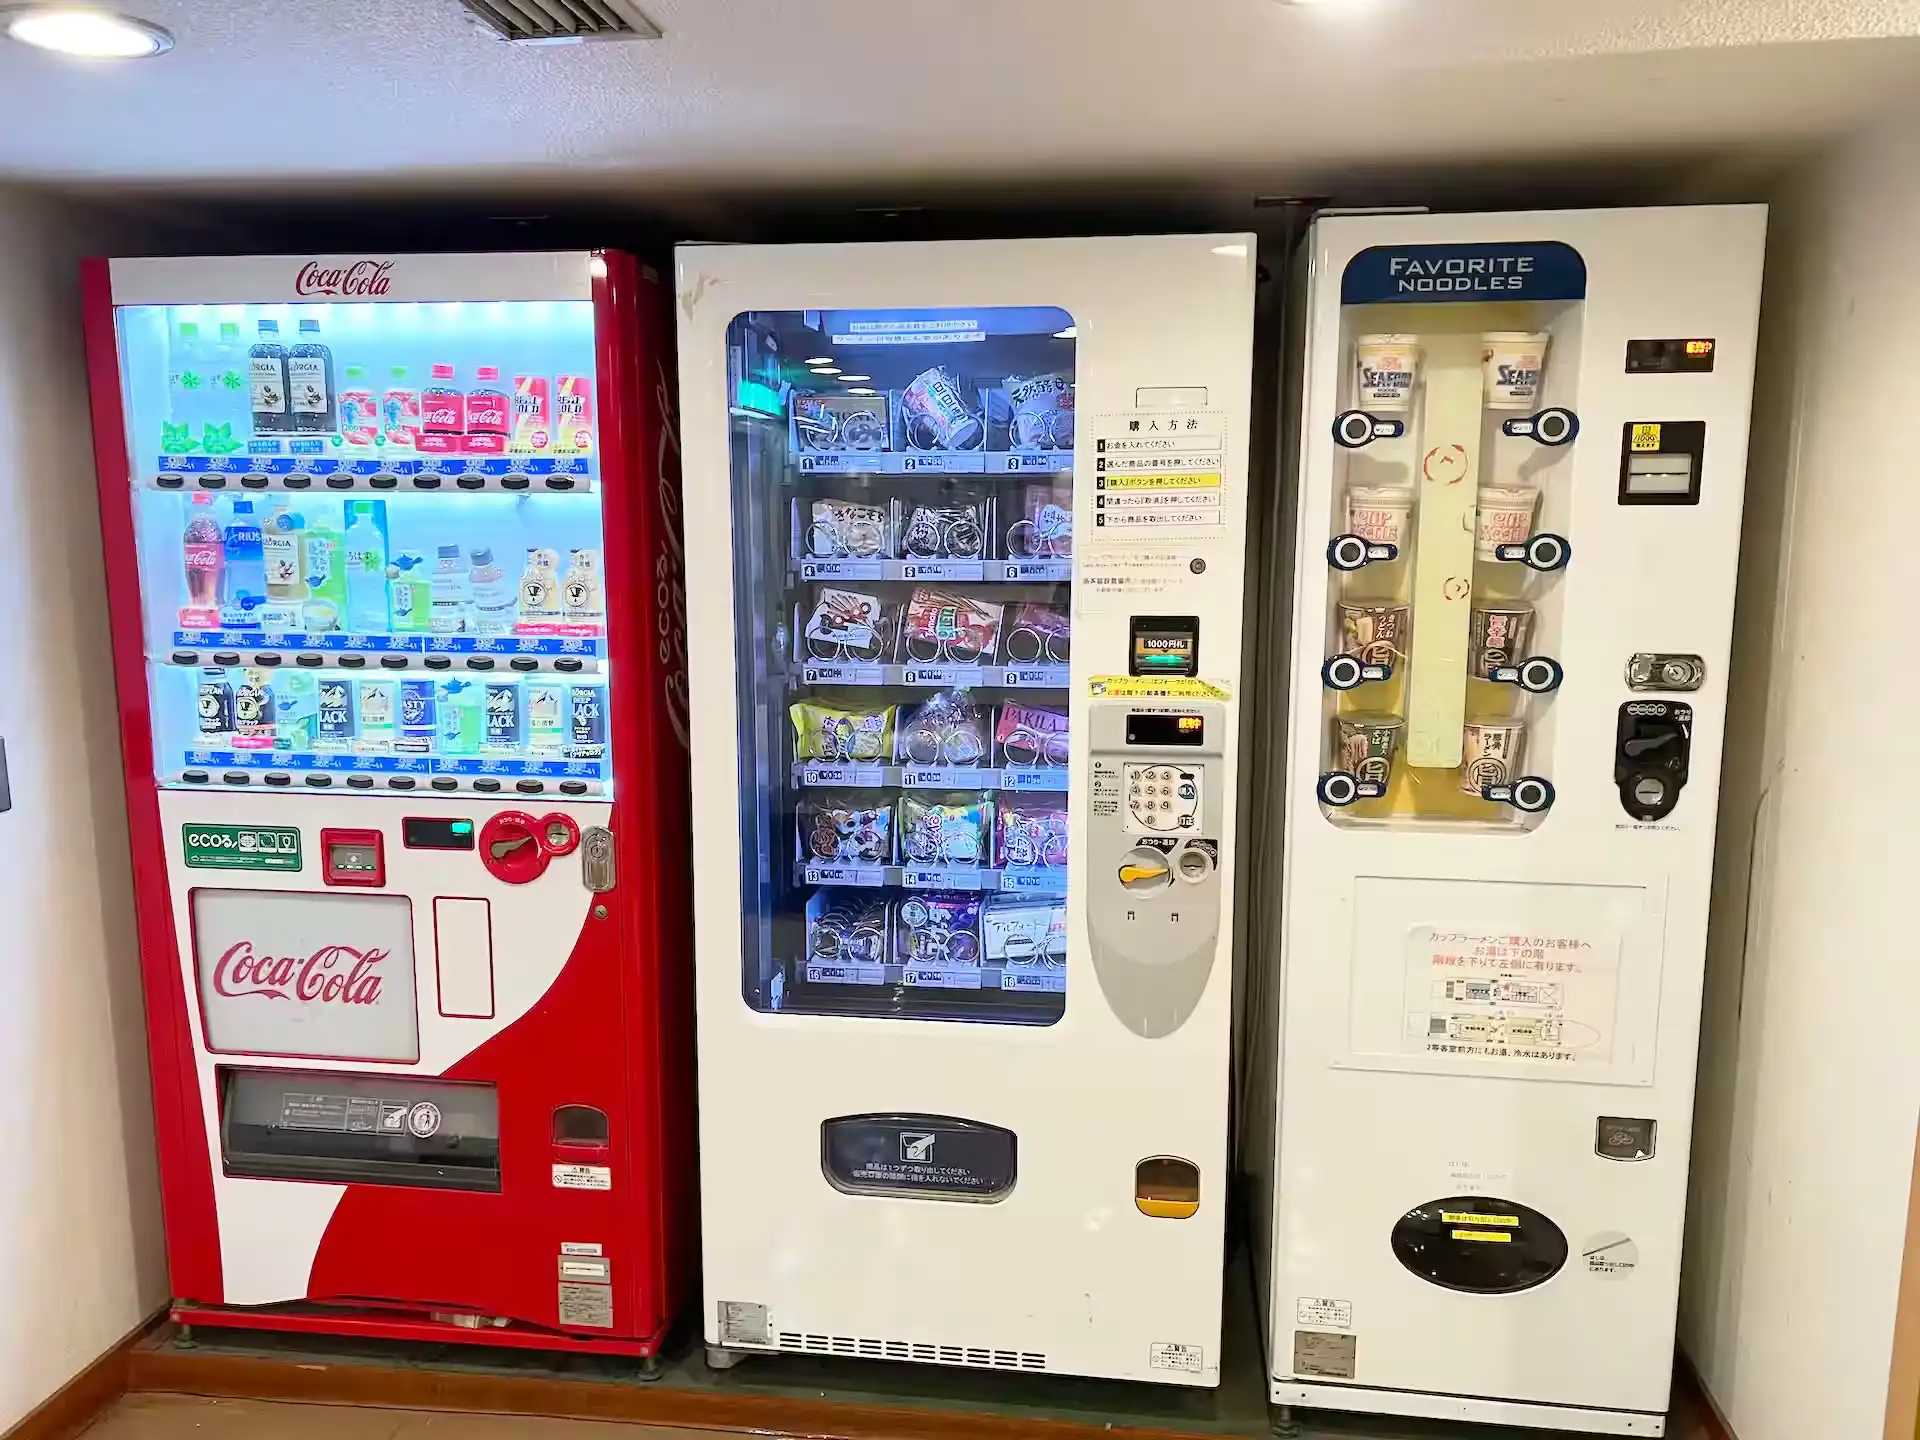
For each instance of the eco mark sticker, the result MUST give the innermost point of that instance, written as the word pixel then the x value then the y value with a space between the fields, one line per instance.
pixel 240 847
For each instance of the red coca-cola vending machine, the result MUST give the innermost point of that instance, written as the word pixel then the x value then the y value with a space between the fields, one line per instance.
pixel 393 559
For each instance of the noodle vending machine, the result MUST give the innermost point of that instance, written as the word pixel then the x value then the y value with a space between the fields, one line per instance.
pixel 393 566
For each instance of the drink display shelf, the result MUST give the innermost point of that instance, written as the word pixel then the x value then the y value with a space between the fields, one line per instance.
pixel 1036 880
pixel 457 474
pixel 512 654
pixel 1032 975
pixel 931 462
pixel 946 677
pixel 1018 779
pixel 428 774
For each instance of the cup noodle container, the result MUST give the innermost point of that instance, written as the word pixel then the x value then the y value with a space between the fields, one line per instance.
pixel 1364 743
pixel 1515 362
pixel 1373 630
pixel 1379 514
pixel 1385 370
pixel 1504 516
pixel 1490 754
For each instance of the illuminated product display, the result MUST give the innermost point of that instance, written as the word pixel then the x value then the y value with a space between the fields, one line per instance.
pixel 918 887
pixel 395 599
pixel 1519 514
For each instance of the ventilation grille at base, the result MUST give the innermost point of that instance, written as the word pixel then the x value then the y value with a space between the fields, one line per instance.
pixel 911 1350
pixel 561 22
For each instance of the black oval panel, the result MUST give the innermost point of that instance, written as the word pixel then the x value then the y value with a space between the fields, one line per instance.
pixel 1479 1245
pixel 922 1157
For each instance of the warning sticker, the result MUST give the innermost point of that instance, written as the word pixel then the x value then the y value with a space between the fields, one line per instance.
pixel 1170 1356
pixel 587 1305
pixel 744 1323
pixel 1335 1314
pixel 1610 1255
pixel 583 1177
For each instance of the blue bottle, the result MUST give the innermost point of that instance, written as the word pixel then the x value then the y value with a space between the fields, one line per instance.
pixel 246 578
pixel 418 718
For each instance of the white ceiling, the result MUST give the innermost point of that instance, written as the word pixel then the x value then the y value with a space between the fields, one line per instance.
pixel 800 93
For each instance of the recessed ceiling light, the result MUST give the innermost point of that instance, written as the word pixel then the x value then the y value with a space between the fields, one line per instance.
pixel 78 30
pixel 859 390
pixel 854 379
pixel 821 360
pixel 826 369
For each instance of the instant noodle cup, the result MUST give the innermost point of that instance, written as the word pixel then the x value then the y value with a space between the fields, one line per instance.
pixel 1386 368
pixel 1516 361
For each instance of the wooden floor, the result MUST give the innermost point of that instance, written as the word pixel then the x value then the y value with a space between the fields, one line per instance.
pixel 192 1417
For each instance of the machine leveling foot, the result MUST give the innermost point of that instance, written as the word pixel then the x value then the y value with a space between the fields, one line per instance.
pixel 1280 1420
pixel 723 1359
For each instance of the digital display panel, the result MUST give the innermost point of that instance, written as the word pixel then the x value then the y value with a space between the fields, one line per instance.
pixel 1161 729
pixel 1164 645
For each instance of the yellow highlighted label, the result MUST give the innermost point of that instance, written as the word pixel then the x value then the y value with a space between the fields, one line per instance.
pixel 1496 1237
pixel 1646 438
pixel 1152 687
pixel 1467 1217
pixel 1178 480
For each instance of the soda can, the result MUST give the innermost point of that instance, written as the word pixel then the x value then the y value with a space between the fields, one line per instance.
pixel 253 711
pixel 573 422
pixel 504 730
pixel 1497 633
pixel 937 414
pixel 335 725
pixel 587 722
pixel 216 704
pixel 1375 632
pixel 419 718
pixel 1364 744
pixel 1491 753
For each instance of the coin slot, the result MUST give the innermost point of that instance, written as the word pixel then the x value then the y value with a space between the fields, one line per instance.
pixel 1166 1187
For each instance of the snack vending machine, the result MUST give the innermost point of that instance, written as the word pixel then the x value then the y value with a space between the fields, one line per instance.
pixel 965 648
pixel 393 566
pixel 1523 446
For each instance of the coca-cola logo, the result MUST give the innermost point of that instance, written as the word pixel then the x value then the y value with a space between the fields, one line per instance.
pixel 669 563
pixel 331 975
pixel 442 416
pixel 363 278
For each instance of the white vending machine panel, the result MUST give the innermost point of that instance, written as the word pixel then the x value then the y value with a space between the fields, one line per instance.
pixel 966 526
pixel 1522 450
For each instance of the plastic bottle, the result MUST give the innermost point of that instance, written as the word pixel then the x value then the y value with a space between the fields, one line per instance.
pixel 409 593
pixel 246 578
pixel 489 414
pixel 443 414
pixel 286 575
pixel 495 597
pixel 310 389
pixel 186 391
pixel 267 382
pixel 462 717
pixel 323 567
pixel 452 593
pixel 229 417
pixel 204 551
pixel 582 597
pixel 296 709
pixel 359 412
pixel 400 411
pixel 366 566
pixel 540 591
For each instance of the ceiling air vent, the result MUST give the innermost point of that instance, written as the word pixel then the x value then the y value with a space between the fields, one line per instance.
pixel 563 22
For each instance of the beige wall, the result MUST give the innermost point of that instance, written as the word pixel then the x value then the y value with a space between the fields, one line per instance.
pixel 1810 1060
pixel 81 1260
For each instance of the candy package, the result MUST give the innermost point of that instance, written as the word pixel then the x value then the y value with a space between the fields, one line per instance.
pixel 1039 635
pixel 846 625
pixel 847 530
pixel 1032 835
pixel 850 734
pixel 952 530
pixel 1042 412
pixel 1032 735
pixel 938 414
pixel 946 730
pixel 946 830
pixel 1045 530
pixel 845 829
pixel 938 928
pixel 942 625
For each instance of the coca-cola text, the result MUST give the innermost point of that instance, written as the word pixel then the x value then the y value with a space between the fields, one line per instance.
pixel 332 975
pixel 362 278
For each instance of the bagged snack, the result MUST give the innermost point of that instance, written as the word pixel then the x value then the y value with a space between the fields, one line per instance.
pixel 946 730
pixel 1032 735
pixel 845 829
pixel 1039 634
pixel 946 830
pixel 938 928
pixel 944 625
pixel 1032 835
pixel 858 734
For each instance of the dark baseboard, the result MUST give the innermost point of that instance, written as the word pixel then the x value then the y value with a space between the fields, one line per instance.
pixel 79 1402
pixel 1694 1416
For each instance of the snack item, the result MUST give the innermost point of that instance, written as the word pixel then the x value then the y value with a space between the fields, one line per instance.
pixel 1046 531
pixel 847 829
pixel 840 422
pixel 1042 412
pixel 955 530
pixel 1376 633
pixel 938 928
pixel 1504 516
pixel 1019 931
pixel 1515 362
pixel 1497 634
pixel 850 733
pixel 1491 753
pixel 1386 368
pixel 1033 835
pixel 944 731
pixel 1379 514
pixel 847 927
pixel 947 830
pixel 937 414
pixel 1038 634
pixel 845 625
pixel 1032 735
pixel 943 625
pixel 846 529
pixel 1364 743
